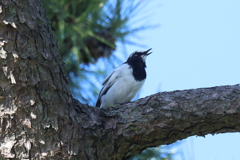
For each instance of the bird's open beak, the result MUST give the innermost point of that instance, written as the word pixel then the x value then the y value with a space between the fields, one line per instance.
pixel 146 52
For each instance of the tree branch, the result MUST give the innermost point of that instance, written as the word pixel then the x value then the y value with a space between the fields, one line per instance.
pixel 162 118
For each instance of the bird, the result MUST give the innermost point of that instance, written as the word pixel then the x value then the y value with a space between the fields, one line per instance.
pixel 124 82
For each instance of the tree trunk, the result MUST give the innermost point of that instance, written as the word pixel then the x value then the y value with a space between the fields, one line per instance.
pixel 41 120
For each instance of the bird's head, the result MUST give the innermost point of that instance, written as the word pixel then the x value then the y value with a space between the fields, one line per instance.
pixel 139 55
pixel 137 59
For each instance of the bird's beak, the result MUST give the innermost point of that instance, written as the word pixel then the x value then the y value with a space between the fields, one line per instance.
pixel 146 52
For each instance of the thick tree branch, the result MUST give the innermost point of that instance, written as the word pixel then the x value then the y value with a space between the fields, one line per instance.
pixel 163 118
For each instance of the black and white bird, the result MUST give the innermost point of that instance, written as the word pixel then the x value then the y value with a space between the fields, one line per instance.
pixel 122 85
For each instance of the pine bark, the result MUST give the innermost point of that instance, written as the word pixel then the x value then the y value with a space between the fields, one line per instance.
pixel 39 118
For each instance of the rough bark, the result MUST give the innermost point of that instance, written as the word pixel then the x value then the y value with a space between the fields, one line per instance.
pixel 33 84
pixel 39 119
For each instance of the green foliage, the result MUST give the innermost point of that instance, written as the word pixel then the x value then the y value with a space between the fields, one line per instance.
pixel 75 22
pixel 157 153
pixel 88 30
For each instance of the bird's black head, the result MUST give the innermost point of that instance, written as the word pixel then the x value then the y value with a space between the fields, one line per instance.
pixel 138 58
pixel 137 62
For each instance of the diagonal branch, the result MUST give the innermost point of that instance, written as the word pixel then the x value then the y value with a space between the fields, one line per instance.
pixel 163 118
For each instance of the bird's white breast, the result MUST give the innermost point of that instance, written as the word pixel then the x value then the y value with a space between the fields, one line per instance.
pixel 124 89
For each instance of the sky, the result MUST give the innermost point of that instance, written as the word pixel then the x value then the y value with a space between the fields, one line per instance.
pixel 196 45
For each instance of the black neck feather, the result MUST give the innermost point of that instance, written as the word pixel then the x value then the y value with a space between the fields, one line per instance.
pixel 138 66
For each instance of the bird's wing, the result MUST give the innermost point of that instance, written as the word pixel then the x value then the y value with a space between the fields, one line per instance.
pixel 108 77
pixel 107 83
